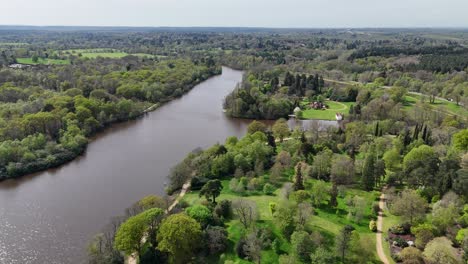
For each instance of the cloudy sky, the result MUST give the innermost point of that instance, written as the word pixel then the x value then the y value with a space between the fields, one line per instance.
pixel 249 13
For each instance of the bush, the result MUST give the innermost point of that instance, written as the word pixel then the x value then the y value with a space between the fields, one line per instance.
pixel 240 248
pixel 400 242
pixel 268 189
pixel 373 226
pixel 402 229
pixel 224 209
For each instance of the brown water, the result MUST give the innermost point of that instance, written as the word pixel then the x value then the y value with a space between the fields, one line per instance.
pixel 50 216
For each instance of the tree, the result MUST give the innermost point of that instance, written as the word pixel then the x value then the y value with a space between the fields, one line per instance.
pixel 179 235
pixel 256 126
pixel 440 250
pixel 321 165
pixel 200 213
pixel 298 179
pixel 319 193
pixel 216 239
pixel 410 206
pixel 253 247
pixel 411 255
pixel 321 256
pixel 284 218
pixel 246 211
pixel 35 58
pixel 423 233
pixel 460 140
pixel 301 245
pixel 304 212
pixel 421 166
pixel 368 170
pixel 281 129
pixel 130 233
pixel 342 241
pixel 342 169
pixel 211 190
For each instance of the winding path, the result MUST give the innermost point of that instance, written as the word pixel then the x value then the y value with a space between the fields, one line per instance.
pixel 379 245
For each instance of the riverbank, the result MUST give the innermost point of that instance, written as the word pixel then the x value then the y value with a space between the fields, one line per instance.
pixel 64 156
pixel 54 214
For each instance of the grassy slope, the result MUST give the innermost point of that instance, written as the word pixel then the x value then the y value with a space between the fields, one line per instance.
pixel 441 105
pixel 327 221
pixel 328 114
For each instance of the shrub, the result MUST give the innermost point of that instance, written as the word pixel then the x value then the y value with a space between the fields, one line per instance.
pixel 224 209
pixel 400 242
pixel 268 189
pixel 373 226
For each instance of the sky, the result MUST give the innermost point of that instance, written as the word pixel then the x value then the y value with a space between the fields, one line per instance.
pixel 237 13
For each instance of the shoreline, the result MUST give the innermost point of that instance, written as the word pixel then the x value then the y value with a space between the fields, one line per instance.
pixel 96 135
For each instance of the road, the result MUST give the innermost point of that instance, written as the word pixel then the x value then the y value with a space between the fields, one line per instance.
pixel 379 245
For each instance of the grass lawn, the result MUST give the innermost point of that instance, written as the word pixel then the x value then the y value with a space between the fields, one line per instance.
pixel 42 61
pixel 440 105
pixel 327 114
pixel 104 53
pixel 389 220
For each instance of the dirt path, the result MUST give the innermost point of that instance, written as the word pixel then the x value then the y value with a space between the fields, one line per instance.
pixel 379 245
pixel 132 258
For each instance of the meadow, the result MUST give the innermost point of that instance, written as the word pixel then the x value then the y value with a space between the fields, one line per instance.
pixel 327 114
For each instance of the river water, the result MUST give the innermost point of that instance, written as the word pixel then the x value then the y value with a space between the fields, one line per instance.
pixel 50 216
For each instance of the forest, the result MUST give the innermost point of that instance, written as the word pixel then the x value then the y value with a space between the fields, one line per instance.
pixel 393 171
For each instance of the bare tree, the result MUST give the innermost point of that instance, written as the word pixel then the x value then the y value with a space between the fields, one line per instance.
pixel 304 211
pixel 246 210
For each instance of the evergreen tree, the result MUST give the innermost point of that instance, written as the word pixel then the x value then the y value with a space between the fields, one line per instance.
pixel 298 179
pixel 376 132
pixel 333 195
pixel 368 170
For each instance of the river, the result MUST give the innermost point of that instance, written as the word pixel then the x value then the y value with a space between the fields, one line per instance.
pixel 50 216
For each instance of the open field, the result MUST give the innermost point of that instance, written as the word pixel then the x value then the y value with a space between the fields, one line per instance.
pixel 445 106
pixel 105 53
pixel 327 114
pixel 42 61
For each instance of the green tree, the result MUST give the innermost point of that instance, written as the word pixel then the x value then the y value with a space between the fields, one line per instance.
pixel 298 178
pixel 179 235
pixel 256 126
pixel 211 190
pixel 440 250
pixel 410 206
pixel 411 255
pixel 368 170
pixel 130 233
pixel 421 166
pixel 281 129
pixel 200 213
pixel 301 245
pixel 319 193
pixel 342 241
pixel 460 140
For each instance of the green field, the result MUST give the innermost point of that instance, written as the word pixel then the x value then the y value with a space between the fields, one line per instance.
pixel 42 61
pixel 327 114
pixel 104 53
pixel 445 106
